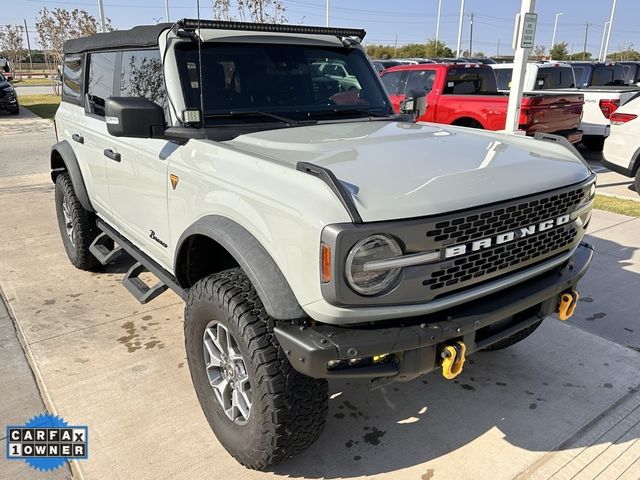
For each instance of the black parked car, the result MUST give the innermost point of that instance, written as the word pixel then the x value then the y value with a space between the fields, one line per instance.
pixel 8 97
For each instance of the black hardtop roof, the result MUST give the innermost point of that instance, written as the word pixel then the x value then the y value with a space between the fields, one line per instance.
pixel 147 35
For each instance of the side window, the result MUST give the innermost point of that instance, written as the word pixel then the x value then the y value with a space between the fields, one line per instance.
pixel 100 85
pixel 421 80
pixel 391 82
pixel 142 76
pixel 72 79
pixel 503 77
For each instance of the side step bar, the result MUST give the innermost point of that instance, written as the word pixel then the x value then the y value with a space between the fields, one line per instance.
pixel 101 250
pixel 131 280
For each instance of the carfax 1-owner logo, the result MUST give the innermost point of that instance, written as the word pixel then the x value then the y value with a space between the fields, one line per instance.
pixel 46 442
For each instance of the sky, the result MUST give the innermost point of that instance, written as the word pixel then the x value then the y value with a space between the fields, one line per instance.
pixel 410 21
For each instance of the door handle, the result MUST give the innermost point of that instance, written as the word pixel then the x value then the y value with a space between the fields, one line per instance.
pixel 112 155
pixel 77 138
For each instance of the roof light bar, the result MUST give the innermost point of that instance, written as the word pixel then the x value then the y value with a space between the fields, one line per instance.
pixel 192 24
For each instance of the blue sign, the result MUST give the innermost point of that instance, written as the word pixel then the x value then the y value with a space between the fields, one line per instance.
pixel 46 442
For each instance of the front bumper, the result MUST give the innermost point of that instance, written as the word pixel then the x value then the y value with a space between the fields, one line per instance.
pixel 8 102
pixel 415 344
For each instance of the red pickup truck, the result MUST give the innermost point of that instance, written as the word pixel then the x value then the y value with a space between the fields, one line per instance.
pixel 467 95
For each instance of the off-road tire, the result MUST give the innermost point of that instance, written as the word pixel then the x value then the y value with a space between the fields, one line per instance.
pixel 84 225
pixel 593 144
pixel 637 181
pixel 288 409
pixel 513 339
pixel 15 111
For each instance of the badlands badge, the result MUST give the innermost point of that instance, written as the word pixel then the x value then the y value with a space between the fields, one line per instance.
pixel 46 442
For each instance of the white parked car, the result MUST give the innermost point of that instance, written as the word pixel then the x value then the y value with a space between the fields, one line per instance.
pixel 622 148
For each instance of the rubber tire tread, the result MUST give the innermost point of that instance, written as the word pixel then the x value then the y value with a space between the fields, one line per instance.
pixel 291 407
pixel 85 229
pixel 513 339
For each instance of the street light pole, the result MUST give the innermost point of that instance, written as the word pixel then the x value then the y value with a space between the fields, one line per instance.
pixel 586 36
pixel 438 22
pixel 604 36
pixel 460 23
pixel 606 43
pixel 553 39
pixel 519 68
pixel 166 10
pixel 327 13
pixel 103 27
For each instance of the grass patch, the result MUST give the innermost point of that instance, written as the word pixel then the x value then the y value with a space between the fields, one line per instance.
pixel 32 81
pixel 44 106
pixel 618 205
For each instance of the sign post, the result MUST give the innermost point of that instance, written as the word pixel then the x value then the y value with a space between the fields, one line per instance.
pixel 523 41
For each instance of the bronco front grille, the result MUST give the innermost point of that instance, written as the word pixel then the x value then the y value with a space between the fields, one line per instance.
pixel 474 226
pixel 474 267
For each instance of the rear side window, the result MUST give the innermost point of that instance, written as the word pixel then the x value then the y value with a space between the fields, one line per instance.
pixel 554 77
pixel 503 78
pixel 421 80
pixel 391 82
pixel 470 80
pixel 579 73
pixel 72 79
pixel 100 85
pixel 608 76
pixel 142 76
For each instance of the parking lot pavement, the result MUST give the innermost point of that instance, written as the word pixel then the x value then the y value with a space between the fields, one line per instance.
pixel 33 89
pixel 561 399
pixel 609 182
pixel 26 140
pixel 20 398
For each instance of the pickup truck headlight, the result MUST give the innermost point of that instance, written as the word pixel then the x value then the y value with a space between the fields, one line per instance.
pixel 364 280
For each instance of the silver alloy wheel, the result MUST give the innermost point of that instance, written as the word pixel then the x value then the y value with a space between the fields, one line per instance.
pixel 227 372
pixel 68 222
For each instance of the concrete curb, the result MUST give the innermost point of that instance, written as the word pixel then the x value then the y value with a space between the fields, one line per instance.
pixel 620 197
pixel 76 472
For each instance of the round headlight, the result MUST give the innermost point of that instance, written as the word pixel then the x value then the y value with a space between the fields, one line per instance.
pixel 372 282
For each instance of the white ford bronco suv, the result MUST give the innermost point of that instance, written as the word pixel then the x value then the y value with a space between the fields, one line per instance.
pixel 312 233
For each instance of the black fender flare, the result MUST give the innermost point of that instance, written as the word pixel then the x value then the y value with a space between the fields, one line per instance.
pixel 73 168
pixel 270 284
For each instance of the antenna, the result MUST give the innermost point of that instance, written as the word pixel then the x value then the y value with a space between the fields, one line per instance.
pixel 200 67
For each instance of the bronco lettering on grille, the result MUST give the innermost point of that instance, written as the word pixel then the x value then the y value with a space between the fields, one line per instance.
pixel 507 237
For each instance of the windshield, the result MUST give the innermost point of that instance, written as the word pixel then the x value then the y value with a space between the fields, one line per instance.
pixel 294 81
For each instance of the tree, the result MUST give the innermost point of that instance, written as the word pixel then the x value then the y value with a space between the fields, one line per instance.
pixel 538 52
pixel 560 51
pixel 437 48
pixel 260 11
pixel 11 43
pixel 580 56
pixel 56 26
pixel 628 54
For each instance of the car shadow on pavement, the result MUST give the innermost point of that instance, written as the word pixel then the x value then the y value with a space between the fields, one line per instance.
pixel 533 396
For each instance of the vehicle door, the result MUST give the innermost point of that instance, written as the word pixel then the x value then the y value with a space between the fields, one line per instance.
pixel 90 134
pixel 394 82
pixel 137 171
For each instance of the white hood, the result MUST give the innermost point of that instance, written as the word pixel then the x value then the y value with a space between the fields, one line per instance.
pixel 402 170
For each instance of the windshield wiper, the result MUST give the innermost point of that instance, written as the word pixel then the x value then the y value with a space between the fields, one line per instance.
pixel 346 111
pixel 289 121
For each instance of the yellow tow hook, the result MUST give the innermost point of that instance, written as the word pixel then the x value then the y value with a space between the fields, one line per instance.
pixel 567 305
pixel 453 357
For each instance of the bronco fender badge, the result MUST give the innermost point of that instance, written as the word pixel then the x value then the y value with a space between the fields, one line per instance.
pixel 174 180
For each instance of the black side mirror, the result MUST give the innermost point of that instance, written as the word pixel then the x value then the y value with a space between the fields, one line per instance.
pixel 136 117
pixel 415 103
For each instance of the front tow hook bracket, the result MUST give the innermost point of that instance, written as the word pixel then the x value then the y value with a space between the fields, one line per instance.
pixel 453 357
pixel 567 305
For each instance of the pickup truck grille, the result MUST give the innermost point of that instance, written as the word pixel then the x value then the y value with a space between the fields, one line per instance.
pixel 478 266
